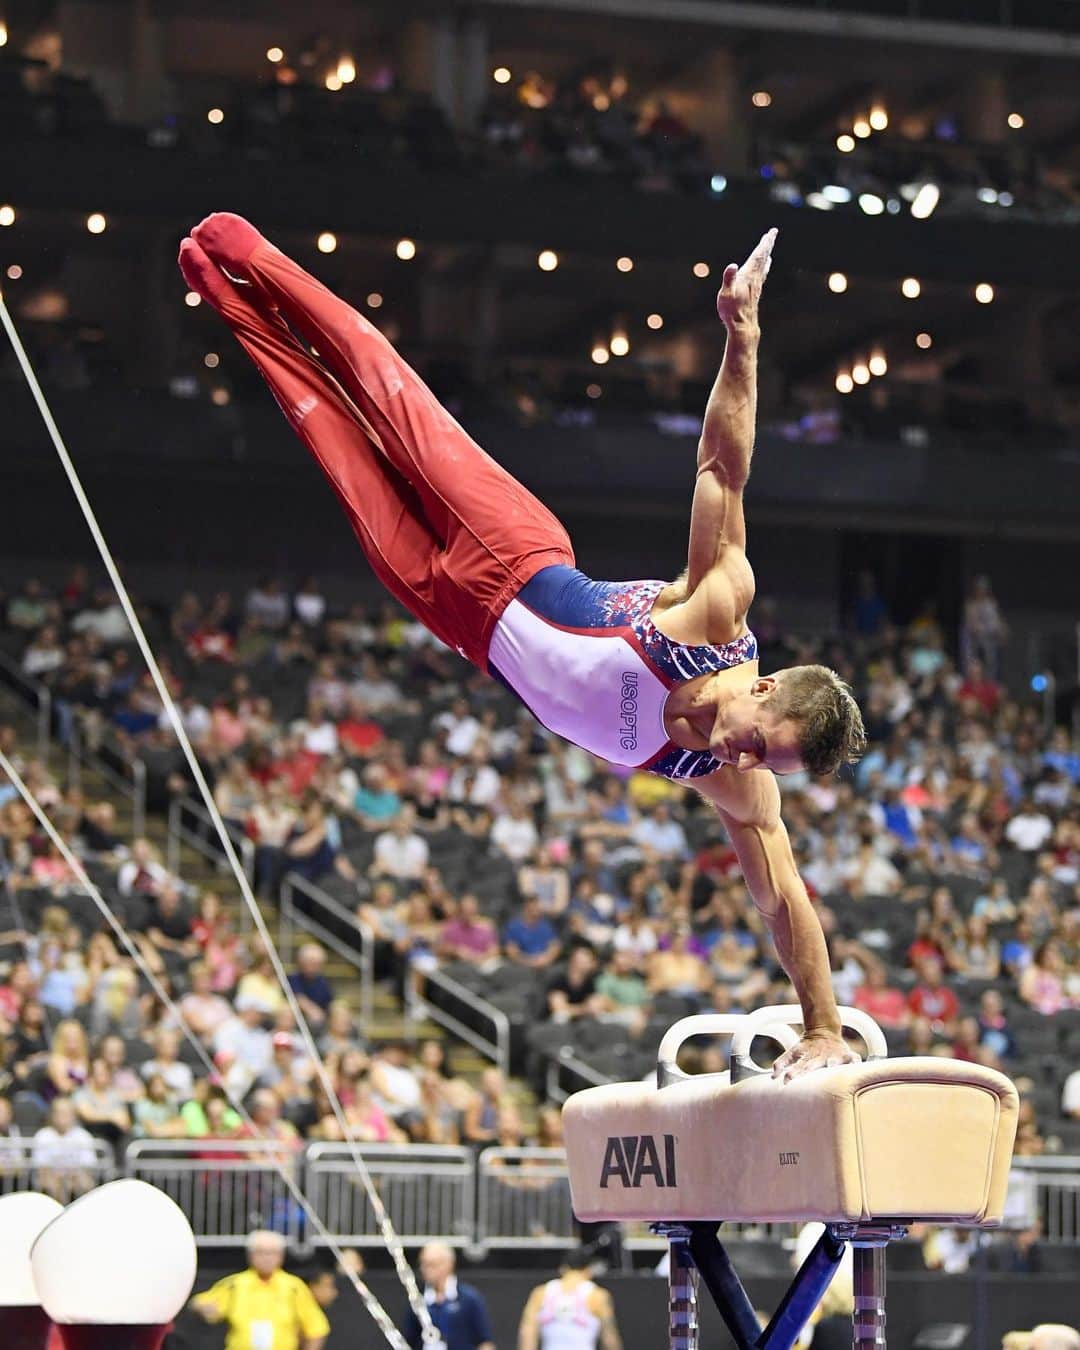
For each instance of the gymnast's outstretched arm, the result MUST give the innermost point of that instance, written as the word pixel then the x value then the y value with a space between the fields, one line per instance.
pixel 749 805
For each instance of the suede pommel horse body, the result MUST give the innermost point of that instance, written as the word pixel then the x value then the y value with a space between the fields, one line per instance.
pixel 865 1148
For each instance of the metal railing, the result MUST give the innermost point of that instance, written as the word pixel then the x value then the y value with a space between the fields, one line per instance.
pixel 428 1190
pixel 33 692
pixel 226 1187
pixel 190 824
pixel 567 1063
pixel 324 918
pixel 523 1198
pixel 495 1046
pixel 60 1169
pixel 1046 1189
pixel 125 775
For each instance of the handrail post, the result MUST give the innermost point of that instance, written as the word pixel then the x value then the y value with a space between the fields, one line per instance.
pixel 172 841
pixel 74 758
pixel 44 722
pixel 138 806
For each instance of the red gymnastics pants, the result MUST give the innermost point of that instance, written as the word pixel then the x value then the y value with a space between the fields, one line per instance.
pixel 448 532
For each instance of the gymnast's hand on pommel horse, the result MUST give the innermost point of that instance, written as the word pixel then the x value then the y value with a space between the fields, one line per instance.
pixel 654 675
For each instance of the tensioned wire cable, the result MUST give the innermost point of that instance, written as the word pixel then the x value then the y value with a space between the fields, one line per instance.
pixel 404 1270
pixel 371 1302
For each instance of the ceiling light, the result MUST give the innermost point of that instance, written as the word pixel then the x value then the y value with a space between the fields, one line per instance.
pixel 871 204
pixel 818 201
pixel 220 397
pixel 193 299
pixel 547 260
pixel 346 70
pixel 215 117
pixel 14 272
pixel 211 360
pixel 879 118
pixel 860 372
pixel 374 300
pixel 878 363
pixel 984 293
pixel 925 201
pixel 600 354
pixel 845 143
pixel 620 344
pixel 837 283
pixel 655 321
pixel 987 195
pixel 862 128
pixel 761 98
pixel 923 341
pixel 326 242
pixel 718 183
pixel 1005 199
pixel 701 269
pixel 96 223
pixel 274 55
pixel 501 75
pixel 836 192
pixel 3 34
pixel 7 215
pixel 844 383
pixel 333 82
pixel 593 390
pixel 911 288
pixel 624 264
pixel 1015 120
pixel 406 250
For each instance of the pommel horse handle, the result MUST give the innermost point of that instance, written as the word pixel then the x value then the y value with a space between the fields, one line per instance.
pixel 787 1016
pixel 715 1024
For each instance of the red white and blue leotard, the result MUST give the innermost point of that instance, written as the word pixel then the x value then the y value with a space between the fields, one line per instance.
pixel 586 658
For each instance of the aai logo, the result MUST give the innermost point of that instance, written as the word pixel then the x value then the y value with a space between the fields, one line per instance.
pixel 633 1157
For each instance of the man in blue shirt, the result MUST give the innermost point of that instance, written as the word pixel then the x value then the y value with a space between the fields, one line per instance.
pixel 530 939
pixel 310 985
pixel 458 1310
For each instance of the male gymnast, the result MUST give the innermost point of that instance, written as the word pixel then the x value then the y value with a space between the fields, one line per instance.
pixel 645 674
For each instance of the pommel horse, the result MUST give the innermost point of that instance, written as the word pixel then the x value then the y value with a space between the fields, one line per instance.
pixel 865 1148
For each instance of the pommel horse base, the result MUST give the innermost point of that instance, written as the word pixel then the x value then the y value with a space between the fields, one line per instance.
pixel 866 1149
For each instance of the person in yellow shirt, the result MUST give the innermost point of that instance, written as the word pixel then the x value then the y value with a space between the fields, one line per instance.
pixel 264 1307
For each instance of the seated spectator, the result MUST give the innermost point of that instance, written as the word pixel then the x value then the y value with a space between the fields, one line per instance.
pixel 636 935
pixel 470 937
pixel 659 834
pixel 143 873
pixel 157 1115
pixel 69 1059
pixel 975 955
pixel 882 1001
pixel 931 998
pixel 63 1154
pixel 395 1084
pixel 341 1032
pixel 678 970
pixel 207 1113
pixel 1018 951
pixel 261 984
pixel 244 1038
pixel 1030 829
pixel 514 833
pixel 269 825
pixel 166 1065
pixel 623 995
pixel 169 930
pixel 481 1123
pixel 1041 984
pixel 203 1010
pixel 530 939
pixel 314 845
pixel 375 802
pixel 572 993
pixel 546 880
pixel 310 985
pixel 100 1106
pixel 125 1080
pixel 400 852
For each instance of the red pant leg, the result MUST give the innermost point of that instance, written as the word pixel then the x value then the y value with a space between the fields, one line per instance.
pixel 496 533
pixel 384 510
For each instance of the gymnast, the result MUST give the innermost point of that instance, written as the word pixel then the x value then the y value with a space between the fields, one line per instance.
pixel 645 674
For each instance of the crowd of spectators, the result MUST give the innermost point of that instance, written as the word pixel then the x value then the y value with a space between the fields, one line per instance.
pixel 593 905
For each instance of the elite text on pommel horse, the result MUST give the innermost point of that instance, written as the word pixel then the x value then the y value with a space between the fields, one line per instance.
pixel 864 1148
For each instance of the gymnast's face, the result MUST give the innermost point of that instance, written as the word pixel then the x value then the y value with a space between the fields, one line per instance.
pixel 750 734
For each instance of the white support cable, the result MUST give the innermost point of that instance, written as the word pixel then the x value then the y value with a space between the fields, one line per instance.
pixel 378 1313
pixel 405 1273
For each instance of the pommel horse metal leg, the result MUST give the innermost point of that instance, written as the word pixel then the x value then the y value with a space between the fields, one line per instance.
pixel 694 1248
